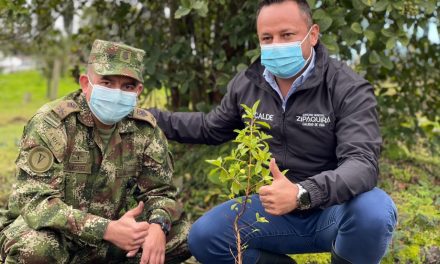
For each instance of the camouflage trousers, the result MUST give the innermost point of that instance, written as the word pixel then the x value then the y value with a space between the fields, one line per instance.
pixel 21 244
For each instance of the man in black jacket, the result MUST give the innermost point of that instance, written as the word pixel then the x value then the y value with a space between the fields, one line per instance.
pixel 325 132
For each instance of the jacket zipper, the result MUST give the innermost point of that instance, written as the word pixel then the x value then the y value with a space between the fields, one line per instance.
pixel 283 124
pixel 283 135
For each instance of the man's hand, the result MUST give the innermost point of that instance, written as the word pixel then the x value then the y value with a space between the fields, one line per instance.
pixel 126 233
pixel 153 248
pixel 280 197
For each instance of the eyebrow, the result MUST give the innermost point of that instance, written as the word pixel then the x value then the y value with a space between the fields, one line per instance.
pixel 295 31
pixel 289 30
pixel 112 79
pixel 106 78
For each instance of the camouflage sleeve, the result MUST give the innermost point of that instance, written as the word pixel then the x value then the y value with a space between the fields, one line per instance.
pixel 155 186
pixel 38 194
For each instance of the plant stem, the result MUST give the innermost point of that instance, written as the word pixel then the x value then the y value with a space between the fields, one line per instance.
pixel 239 258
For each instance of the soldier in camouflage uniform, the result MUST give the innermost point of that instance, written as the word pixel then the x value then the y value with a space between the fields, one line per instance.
pixel 84 161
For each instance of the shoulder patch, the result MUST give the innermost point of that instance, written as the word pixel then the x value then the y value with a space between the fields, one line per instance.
pixel 65 108
pixel 40 159
pixel 52 119
pixel 142 114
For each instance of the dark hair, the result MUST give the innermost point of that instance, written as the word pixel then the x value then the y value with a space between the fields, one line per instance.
pixel 302 4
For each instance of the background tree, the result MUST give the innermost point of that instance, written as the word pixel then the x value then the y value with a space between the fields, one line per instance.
pixel 194 47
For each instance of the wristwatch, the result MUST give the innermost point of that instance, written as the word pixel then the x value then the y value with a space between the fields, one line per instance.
pixel 164 225
pixel 302 198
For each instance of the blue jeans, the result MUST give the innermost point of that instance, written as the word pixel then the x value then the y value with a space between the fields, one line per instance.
pixel 361 229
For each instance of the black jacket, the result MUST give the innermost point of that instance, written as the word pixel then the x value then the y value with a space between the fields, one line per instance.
pixel 328 137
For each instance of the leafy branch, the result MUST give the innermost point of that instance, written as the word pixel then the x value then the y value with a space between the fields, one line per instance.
pixel 245 170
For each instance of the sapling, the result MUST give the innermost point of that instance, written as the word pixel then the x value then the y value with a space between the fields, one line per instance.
pixel 245 170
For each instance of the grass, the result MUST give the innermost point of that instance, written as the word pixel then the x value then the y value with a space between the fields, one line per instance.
pixel 23 93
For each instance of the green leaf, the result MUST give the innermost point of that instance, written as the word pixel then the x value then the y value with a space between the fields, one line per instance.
pixel 387 63
pixel 398 5
pixel 388 32
pixel 261 219
pixel 201 8
pixel 255 107
pixel 373 58
pixel 246 108
pixel 356 27
pixel 322 19
pixel 224 176
pixel 330 42
pixel 217 162
pixel 235 187
pixel 264 124
pixel 187 3
pixel 243 151
pixel 241 67
pixel 324 23
pixel 369 2
pixel 198 4
pixel 181 12
pixel 258 168
pixel 311 3
pixel 184 87
pixel 370 35
pixel 381 5
pixel 429 6
pixel 404 40
pixel 253 54
pixel 219 66
pixel 353 16
pixel 259 185
pixel 349 36
pixel 175 48
pixel 319 14
pixel 213 176
pixel 358 5
pixel 223 79
pixel 391 42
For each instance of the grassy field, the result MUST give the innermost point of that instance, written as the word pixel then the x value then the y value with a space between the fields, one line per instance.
pixel 22 94
pixel 411 177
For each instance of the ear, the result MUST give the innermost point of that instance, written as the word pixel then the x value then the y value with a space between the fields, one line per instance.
pixel 139 88
pixel 314 34
pixel 84 83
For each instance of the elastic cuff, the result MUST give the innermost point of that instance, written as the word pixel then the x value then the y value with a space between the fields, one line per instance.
pixel 161 217
pixel 316 196
pixel 160 214
pixel 94 229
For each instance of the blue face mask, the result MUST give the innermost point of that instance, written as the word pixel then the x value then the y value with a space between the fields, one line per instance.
pixel 111 105
pixel 284 60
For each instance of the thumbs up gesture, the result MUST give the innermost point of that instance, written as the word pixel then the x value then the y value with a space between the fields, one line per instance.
pixel 280 197
pixel 126 233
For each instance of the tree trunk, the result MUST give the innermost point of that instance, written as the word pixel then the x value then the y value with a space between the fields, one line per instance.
pixel 54 82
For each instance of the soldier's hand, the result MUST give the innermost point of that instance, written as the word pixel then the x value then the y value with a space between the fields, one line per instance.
pixel 153 248
pixel 126 233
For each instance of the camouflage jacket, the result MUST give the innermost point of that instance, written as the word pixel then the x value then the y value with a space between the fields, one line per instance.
pixel 66 183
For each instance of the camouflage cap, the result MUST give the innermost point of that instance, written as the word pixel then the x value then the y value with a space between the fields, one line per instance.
pixel 111 58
